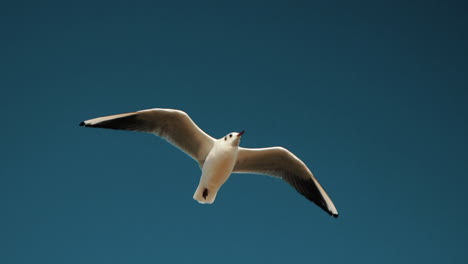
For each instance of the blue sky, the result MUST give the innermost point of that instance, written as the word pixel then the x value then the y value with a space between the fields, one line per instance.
pixel 371 96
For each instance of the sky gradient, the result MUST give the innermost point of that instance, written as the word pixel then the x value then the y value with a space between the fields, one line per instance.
pixel 372 97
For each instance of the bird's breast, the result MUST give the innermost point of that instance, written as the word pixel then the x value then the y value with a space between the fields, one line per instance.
pixel 218 166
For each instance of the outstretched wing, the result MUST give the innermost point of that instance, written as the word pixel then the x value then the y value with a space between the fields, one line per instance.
pixel 175 126
pixel 281 163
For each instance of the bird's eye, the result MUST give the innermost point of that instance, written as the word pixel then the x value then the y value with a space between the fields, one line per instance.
pixel 230 135
pixel 225 138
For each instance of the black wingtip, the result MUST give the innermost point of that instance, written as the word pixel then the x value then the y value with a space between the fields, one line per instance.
pixel 335 215
pixel 82 123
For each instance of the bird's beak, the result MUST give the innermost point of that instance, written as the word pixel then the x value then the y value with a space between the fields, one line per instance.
pixel 241 133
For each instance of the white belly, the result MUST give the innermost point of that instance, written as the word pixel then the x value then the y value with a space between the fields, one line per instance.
pixel 216 170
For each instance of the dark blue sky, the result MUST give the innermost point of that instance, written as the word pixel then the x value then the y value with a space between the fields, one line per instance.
pixel 373 97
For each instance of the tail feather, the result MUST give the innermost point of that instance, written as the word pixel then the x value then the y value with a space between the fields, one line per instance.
pixel 205 195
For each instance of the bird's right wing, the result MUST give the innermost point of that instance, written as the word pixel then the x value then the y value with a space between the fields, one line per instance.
pixel 173 125
pixel 281 163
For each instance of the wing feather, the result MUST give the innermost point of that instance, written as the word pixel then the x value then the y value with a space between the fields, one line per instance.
pixel 281 163
pixel 175 126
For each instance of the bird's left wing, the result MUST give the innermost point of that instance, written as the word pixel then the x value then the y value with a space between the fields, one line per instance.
pixel 173 125
pixel 281 163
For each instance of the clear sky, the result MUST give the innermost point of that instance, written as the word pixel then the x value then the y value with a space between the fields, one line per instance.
pixel 373 97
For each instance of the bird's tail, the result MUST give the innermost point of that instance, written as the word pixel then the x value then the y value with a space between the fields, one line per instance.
pixel 204 194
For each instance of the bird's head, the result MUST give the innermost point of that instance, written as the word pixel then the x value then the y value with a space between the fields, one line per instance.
pixel 233 138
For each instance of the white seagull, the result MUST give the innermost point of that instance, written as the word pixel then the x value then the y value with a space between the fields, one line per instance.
pixel 218 158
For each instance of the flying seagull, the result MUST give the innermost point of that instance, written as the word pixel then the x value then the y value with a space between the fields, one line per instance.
pixel 218 158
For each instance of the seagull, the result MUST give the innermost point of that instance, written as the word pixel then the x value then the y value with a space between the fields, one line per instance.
pixel 218 158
